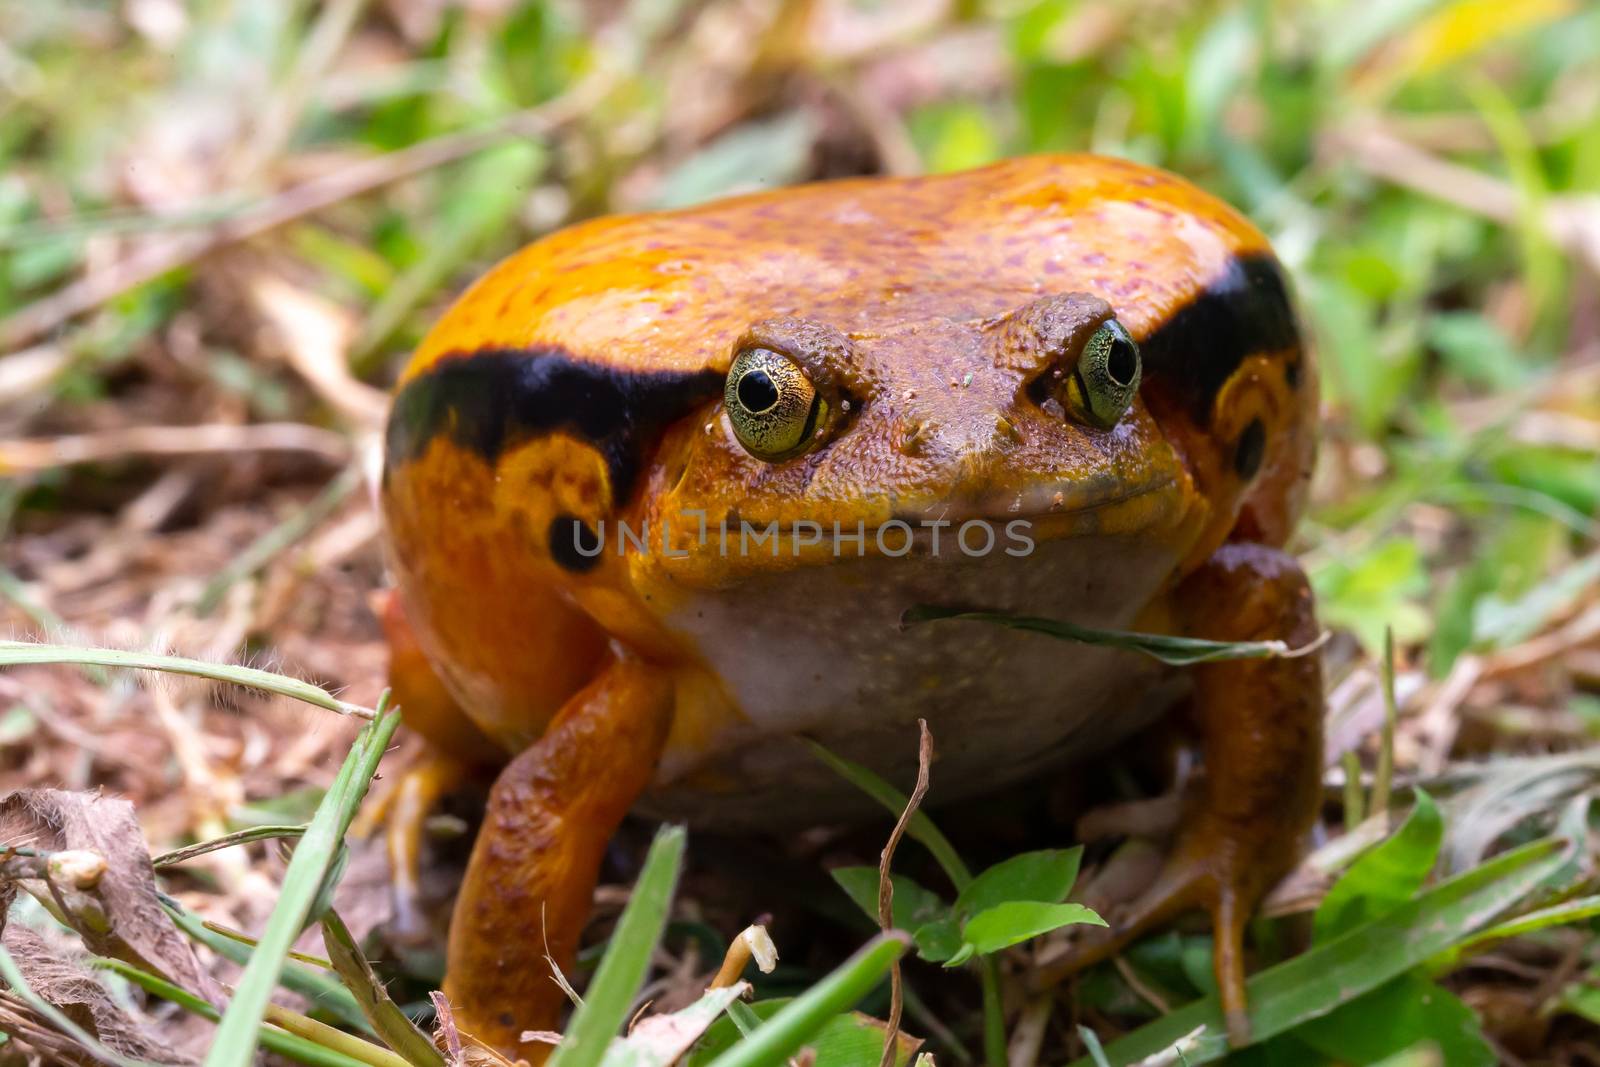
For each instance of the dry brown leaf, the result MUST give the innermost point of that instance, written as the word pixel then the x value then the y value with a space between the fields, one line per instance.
pixel 315 335
pixel 134 926
pixel 63 982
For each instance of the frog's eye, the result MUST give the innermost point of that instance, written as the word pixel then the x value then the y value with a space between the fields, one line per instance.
pixel 773 405
pixel 1106 378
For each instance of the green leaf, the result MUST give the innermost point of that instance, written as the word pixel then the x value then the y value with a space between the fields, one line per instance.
pixel 1033 27
pixel 1016 921
pixel 1173 651
pixel 939 940
pixel 539 51
pixel 913 906
pixel 806 1015
pixel 1343 969
pixel 1400 1015
pixel 235 1041
pixel 1045 876
pixel 238 837
pixel 922 829
pixel 1385 877
pixel 622 969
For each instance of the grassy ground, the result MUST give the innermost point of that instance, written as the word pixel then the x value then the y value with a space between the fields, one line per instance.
pixel 222 225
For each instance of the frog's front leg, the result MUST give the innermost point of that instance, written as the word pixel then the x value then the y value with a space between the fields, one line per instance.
pixel 1261 724
pixel 532 875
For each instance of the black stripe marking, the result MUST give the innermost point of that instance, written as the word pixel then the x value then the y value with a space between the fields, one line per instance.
pixel 492 400
pixel 1244 312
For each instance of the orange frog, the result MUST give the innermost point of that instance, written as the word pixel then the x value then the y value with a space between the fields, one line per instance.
pixel 659 488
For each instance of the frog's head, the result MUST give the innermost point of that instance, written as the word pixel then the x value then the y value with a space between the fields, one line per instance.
pixel 1027 422
pixel 1084 346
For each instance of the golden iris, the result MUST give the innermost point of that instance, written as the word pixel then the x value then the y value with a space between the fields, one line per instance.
pixel 772 404
pixel 1106 378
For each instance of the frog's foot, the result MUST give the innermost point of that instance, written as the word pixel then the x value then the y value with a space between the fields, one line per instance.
pixel 530 882
pixel 403 815
pixel 1261 728
pixel 1153 817
pixel 1207 872
pixel 453 749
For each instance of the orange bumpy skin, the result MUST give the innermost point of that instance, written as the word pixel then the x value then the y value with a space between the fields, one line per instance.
pixel 569 498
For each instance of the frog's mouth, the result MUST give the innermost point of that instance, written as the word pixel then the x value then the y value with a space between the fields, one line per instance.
pixel 971 527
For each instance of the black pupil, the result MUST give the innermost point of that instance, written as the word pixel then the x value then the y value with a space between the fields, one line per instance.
pixel 756 391
pixel 1122 362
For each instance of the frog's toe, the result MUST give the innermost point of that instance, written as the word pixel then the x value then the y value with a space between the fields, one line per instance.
pixel 1151 817
pixel 405 832
pixel 1191 880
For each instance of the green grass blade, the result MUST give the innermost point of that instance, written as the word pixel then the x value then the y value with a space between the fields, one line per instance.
pixel 1091 1041
pixel 235 1042
pixel 622 968
pixel 1174 651
pixel 783 1034
pixel 322 990
pixel 1313 984
pixel 239 837
pixel 290 1046
pixel 921 828
pixel 392 1024
pixel 1578 910
pixel 18 653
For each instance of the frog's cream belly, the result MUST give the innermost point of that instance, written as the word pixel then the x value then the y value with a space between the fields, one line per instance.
pixel 819 653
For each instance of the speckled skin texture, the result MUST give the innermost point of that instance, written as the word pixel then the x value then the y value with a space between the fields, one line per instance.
pixel 933 314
